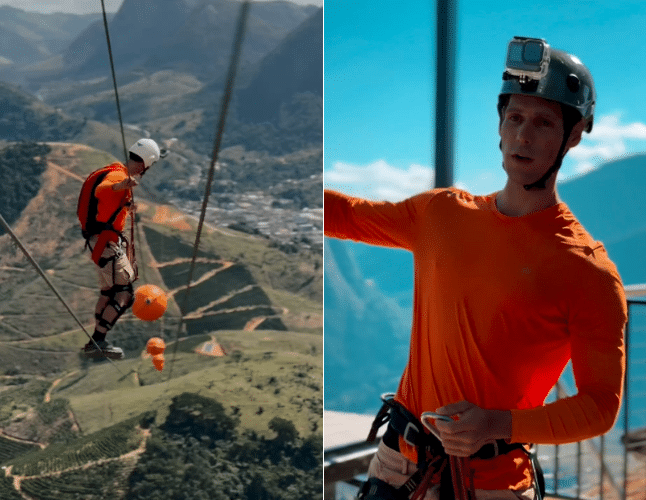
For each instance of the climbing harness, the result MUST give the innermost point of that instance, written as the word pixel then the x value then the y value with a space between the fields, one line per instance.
pixel 454 473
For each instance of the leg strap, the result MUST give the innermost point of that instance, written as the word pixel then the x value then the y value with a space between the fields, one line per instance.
pixel 119 306
pixel 104 323
pixel 376 489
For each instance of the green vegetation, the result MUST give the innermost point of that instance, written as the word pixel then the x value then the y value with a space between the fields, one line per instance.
pixel 93 418
pixel 55 416
pixel 97 483
pixel 199 452
pixel 10 448
pixel 267 265
pixel 299 126
pixel 21 166
pixel 198 456
pixel 7 491
pixel 18 399
pixel 24 118
pixel 107 443
pixel 275 374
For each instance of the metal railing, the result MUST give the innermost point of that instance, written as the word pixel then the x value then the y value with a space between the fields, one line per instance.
pixel 609 467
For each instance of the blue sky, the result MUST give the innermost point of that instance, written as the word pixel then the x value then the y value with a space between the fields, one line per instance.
pixel 379 87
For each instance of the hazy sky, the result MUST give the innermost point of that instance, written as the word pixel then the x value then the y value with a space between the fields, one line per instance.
pixel 90 6
pixel 380 84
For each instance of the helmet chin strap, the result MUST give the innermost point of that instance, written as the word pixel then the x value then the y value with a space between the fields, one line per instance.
pixel 540 183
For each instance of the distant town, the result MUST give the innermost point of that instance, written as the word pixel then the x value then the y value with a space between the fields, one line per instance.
pixel 256 212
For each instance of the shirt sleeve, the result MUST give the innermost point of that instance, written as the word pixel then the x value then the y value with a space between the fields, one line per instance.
pixel 376 223
pixel 596 324
pixel 109 200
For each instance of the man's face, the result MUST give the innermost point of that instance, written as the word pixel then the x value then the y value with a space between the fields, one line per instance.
pixel 136 165
pixel 531 134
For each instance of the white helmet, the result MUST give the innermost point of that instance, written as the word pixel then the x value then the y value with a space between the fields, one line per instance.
pixel 147 150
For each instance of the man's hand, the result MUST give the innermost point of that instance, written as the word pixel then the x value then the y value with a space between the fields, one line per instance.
pixel 128 183
pixel 474 428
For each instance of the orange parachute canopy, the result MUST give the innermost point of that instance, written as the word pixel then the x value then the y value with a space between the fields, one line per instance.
pixel 150 303
pixel 158 361
pixel 155 346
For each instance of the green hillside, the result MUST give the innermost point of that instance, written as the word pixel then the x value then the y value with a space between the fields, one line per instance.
pixel 265 397
pixel 198 451
pixel 259 309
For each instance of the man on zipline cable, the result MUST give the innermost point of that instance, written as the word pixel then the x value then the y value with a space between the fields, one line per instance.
pixel 103 206
pixel 509 287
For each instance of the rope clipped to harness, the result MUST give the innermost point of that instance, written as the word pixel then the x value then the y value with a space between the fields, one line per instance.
pixel 460 468
pixel 130 248
pixel 455 473
pixel 431 458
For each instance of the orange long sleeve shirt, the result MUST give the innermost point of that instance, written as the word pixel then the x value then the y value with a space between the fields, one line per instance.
pixel 501 304
pixel 110 201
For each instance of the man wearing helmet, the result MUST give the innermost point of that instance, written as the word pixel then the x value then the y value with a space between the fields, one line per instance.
pixel 104 204
pixel 509 287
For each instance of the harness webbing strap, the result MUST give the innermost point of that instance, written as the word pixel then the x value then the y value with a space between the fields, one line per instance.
pixel 99 247
pixel 431 458
pixel 455 472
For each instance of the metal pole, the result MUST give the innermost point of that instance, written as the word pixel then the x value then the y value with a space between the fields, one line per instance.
pixel 556 453
pixel 579 456
pixel 556 469
pixel 602 447
pixel 626 401
pixel 445 91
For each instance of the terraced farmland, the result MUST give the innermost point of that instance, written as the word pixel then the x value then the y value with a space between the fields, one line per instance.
pixel 108 443
pixel 81 484
pixel 11 448
pixel 7 490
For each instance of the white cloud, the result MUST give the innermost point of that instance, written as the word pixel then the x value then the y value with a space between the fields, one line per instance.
pixel 607 141
pixel 379 180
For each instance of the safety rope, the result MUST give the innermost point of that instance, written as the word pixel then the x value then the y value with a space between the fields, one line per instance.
pixel 114 79
pixel 226 98
pixel 132 258
pixel 51 285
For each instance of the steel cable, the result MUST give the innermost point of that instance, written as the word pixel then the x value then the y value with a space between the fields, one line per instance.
pixel 51 285
pixel 226 98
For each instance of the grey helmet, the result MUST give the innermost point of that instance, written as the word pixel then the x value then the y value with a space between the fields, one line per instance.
pixel 534 68
pixel 562 77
